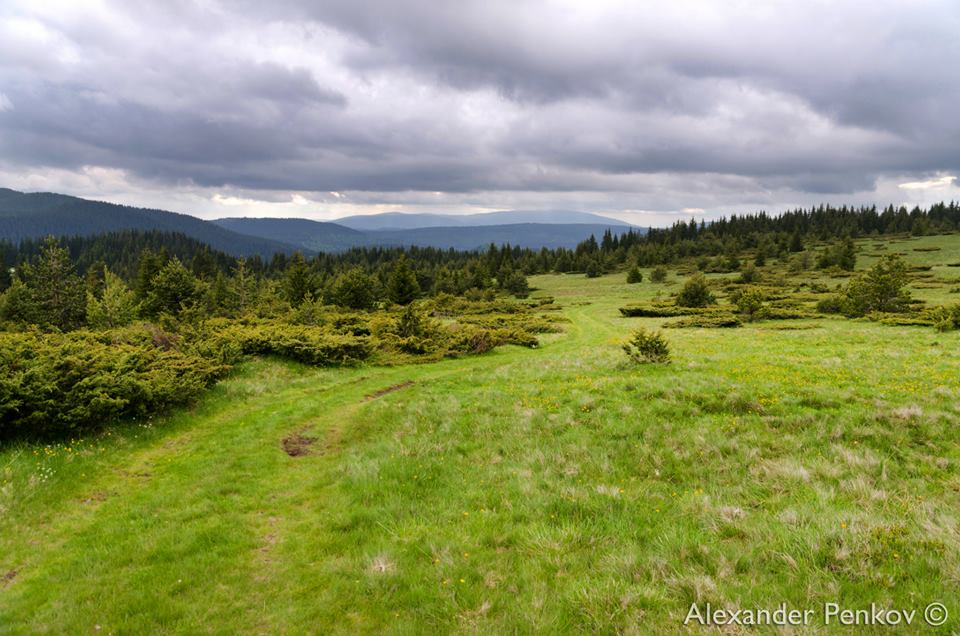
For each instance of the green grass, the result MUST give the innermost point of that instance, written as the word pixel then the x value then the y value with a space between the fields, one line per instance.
pixel 547 490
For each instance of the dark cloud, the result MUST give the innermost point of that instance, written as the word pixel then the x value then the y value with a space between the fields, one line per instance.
pixel 527 97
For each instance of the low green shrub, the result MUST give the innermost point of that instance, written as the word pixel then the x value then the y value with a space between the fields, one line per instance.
pixel 705 321
pixel 696 292
pixel 831 305
pixel 774 312
pixel 901 320
pixel 749 302
pixel 58 385
pixel 945 318
pixel 661 310
pixel 647 346
pixel 311 345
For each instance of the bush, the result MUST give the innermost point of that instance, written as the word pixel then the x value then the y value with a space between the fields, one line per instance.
pixel 634 275
pixel 653 311
pixel 659 274
pixel 786 313
pixel 310 345
pixel 842 255
pixel 831 305
pixel 594 269
pixel 695 292
pixel 749 302
pixel 647 346
pixel 880 288
pixel 59 385
pixel 749 274
pixel 517 284
pixel 945 318
pixel 706 321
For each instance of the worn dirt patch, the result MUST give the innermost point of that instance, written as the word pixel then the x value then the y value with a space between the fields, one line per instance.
pixel 95 497
pixel 297 444
pixel 388 390
pixel 8 577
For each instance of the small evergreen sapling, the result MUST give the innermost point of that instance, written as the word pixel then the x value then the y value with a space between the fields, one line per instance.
pixel 696 292
pixel 647 346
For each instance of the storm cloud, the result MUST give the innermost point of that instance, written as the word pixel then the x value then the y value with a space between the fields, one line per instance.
pixel 343 106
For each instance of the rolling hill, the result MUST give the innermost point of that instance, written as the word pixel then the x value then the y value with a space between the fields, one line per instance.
pixel 532 235
pixel 35 215
pixel 333 237
pixel 303 233
pixel 403 221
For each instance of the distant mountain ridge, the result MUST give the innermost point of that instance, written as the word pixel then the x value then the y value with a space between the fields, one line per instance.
pixel 35 215
pixel 532 235
pixel 38 214
pixel 317 236
pixel 332 237
pixel 405 221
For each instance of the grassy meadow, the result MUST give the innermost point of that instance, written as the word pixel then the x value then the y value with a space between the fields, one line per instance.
pixel 553 490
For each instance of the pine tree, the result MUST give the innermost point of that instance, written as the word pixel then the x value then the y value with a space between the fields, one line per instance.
pixel 593 268
pixel 517 284
pixel 353 289
pixel 796 242
pixel 402 287
pixel 299 281
pixel 148 266
pixel 54 289
pixel 695 292
pixel 244 285
pixel 116 306
pixel 172 289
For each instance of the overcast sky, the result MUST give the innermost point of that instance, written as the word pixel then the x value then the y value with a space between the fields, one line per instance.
pixel 643 111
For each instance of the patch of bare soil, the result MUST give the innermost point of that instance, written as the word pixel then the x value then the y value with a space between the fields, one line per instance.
pixel 388 390
pixel 297 444
pixel 8 577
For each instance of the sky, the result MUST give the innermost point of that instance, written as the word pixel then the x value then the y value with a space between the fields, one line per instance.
pixel 643 111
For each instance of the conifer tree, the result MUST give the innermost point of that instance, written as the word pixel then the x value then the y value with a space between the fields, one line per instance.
pixel 402 286
pixel 54 293
pixel 116 306
pixel 172 289
pixel 299 281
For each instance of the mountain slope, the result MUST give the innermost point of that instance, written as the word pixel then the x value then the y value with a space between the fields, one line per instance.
pixel 35 215
pixel 532 235
pixel 311 235
pixel 402 221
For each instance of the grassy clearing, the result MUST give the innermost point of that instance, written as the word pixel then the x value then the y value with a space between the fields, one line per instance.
pixel 546 490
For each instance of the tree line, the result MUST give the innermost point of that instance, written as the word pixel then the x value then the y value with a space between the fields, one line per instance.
pixel 63 283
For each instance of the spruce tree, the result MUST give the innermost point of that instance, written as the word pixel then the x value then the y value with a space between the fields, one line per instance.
pixel 299 281
pixel 114 307
pixel 353 289
pixel 402 287
pixel 172 289
pixel 54 289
